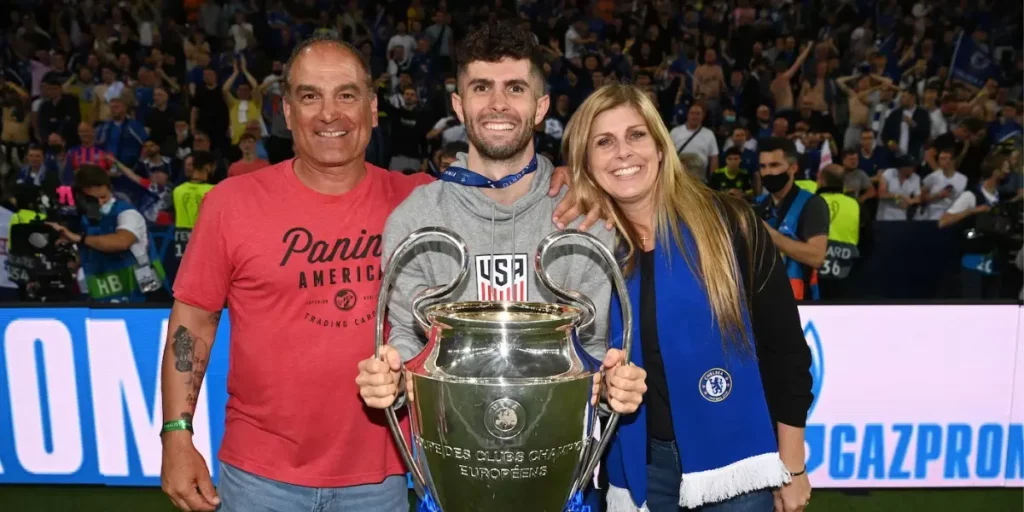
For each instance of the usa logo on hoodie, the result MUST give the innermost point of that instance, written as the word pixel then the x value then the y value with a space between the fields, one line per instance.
pixel 502 280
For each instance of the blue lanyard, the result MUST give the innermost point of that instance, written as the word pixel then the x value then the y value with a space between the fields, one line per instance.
pixel 469 178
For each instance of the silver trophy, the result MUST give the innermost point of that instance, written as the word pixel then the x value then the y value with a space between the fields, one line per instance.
pixel 502 417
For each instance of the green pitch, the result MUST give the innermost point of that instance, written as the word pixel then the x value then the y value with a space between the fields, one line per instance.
pixel 49 498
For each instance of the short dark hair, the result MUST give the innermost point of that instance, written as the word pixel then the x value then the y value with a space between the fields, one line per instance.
pixel 90 175
pixel 327 39
pixel 773 144
pixel 734 151
pixel 504 39
pixel 832 176
pixel 452 149
pixel 200 159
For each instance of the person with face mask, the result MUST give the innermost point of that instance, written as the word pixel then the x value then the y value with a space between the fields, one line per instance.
pixel 796 219
pixel 119 263
pixel 972 212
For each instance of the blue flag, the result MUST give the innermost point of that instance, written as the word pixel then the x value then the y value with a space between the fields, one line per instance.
pixel 972 63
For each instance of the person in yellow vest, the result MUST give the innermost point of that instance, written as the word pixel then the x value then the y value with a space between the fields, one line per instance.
pixel 843 232
pixel 26 200
pixel 188 196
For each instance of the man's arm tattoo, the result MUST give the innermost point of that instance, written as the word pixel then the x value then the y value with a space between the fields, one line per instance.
pixel 184 345
pixel 189 358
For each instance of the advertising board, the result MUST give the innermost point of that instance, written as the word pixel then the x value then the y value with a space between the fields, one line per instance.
pixel 905 396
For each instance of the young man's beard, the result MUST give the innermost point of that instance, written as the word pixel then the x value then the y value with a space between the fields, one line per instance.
pixel 498 152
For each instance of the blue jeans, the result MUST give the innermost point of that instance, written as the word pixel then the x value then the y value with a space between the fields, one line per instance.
pixel 241 491
pixel 664 475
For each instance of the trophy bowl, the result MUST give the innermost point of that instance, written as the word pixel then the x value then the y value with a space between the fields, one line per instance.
pixel 503 416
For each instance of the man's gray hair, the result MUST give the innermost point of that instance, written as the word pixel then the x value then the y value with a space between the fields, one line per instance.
pixel 329 40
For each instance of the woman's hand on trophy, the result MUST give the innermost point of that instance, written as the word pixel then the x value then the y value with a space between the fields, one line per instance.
pixel 379 378
pixel 626 383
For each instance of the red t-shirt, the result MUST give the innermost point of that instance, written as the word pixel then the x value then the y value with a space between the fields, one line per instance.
pixel 242 167
pixel 300 272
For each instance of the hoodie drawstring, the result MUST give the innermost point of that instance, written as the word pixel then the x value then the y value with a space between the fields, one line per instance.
pixel 512 250
pixel 491 277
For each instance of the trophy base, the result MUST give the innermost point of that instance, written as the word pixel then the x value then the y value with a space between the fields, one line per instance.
pixel 501 447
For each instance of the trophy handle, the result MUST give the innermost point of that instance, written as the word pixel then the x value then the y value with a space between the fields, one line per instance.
pixel 593 456
pixel 587 309
pixel 417 310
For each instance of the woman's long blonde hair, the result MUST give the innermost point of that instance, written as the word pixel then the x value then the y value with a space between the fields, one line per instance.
pixel 678 197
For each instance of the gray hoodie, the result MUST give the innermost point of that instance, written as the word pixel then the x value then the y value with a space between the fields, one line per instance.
pixel 491 230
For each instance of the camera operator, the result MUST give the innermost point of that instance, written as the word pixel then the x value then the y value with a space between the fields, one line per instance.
pixel 116 257
pixel 977 212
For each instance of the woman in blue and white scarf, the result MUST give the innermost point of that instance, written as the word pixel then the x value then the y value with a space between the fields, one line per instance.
pixel 721 427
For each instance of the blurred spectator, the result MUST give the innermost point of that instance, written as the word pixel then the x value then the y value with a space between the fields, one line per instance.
pixel 58 112
pixel 157 207
pixel 246 103
pixel 210 109
pixel 941 188
pixel 693 137
pixel 409 127
pixel 249 161
pixel 121 136
pixel 899 189
pixel 40 173
pixel 189 195
pixel 856 182
pixel 16 132
pixel 109 89
pixel 732 179
pixel 159 122
pixel 83 87
pixel 87 152
pixel 907 128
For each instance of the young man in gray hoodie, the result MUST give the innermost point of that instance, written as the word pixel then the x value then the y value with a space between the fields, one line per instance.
pixel 495 198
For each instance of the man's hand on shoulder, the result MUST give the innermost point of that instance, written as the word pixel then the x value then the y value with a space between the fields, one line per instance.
pixel 568 209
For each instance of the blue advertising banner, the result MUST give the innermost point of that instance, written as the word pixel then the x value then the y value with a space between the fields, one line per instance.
pixel 81 396
pixel 920 396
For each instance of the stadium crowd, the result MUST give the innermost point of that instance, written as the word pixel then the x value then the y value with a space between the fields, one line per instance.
pixel 906 117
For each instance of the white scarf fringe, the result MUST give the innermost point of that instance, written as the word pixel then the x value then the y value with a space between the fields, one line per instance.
pixel 618 499
pixel 763 471
pixel 714 485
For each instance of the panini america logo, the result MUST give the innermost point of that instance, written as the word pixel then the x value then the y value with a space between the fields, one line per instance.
pixel 501 277
pixel 333 271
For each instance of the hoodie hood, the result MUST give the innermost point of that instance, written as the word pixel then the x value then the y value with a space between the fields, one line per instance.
pixel 474 201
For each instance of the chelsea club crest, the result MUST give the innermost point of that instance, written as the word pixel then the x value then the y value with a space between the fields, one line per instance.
pixel 715 385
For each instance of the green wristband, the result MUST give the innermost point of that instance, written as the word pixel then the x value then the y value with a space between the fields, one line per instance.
pixel 171 426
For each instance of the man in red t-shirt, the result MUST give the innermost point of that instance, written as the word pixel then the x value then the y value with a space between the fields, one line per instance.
pixel 294 250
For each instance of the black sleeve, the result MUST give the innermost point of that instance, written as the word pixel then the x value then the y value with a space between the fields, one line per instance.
pixel 814 218
pixel 784 358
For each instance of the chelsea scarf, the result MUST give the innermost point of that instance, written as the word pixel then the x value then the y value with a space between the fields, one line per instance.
pixel 720 418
